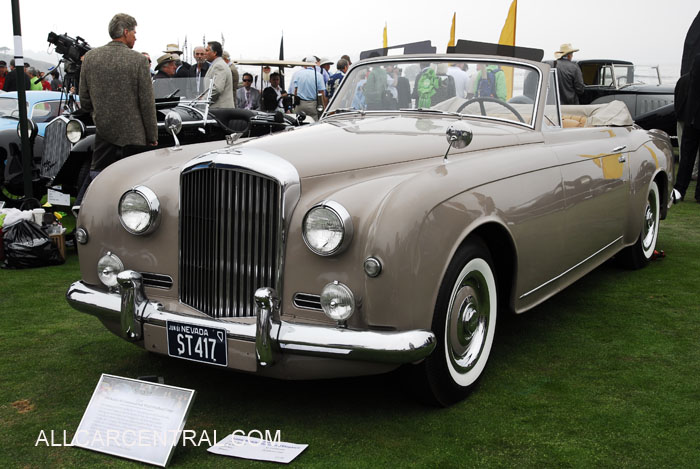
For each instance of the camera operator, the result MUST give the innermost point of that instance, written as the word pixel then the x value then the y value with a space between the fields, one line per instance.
pixel 125 119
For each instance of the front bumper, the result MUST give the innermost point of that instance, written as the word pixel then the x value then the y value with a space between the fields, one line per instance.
pixel 134 312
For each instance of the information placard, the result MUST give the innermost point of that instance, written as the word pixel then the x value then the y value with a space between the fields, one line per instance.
pixel 134 419
pixel 247 447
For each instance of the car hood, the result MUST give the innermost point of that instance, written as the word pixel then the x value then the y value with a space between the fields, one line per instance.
pixel 349 143
pixel 647 89
pixel 335 145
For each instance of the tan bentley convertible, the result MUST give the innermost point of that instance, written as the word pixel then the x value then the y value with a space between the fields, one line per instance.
pixel 435 193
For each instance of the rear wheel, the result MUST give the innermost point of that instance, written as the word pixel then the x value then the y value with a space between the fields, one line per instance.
pixel 640 253
pixel 464 324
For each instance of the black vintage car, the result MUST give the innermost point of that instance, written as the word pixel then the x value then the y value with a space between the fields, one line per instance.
pixel 650 102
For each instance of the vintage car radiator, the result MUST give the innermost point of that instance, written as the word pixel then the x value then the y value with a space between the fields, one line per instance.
pixel 229 239
pixel 56 148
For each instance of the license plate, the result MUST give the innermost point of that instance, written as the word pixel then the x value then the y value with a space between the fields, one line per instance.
pixel 197 343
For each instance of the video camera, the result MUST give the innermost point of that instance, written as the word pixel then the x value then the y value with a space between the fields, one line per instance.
pixel 71 50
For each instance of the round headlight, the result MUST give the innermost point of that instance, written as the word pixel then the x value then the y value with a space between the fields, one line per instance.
pixel 108 267
pixel 327 228
pixel 74 130
pixel 337 301
pixel 31 129
pixel 139 210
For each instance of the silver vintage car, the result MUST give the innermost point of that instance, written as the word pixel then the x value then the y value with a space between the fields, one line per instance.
pixel 435 192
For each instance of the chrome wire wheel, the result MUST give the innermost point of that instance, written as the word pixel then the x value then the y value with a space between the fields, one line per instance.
pixel 470 322
pixel 650 227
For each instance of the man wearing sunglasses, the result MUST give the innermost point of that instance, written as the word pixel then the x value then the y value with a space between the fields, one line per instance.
pixel 247 97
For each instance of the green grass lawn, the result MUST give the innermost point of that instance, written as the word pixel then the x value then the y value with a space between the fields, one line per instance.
pixel 605 374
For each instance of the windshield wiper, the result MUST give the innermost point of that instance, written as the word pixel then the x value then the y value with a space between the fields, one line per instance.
pixel 342 110
pixel 432 111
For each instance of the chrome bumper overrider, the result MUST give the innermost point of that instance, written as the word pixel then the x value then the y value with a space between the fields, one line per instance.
pixel 132 309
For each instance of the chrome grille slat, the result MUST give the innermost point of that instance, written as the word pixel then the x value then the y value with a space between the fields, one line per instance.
pixel 230 222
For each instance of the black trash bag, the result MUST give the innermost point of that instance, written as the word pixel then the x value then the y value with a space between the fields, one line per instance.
pixel 27 245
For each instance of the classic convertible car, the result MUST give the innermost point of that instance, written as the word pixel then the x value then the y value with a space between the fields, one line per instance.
pixel 377 237
pixel 650 102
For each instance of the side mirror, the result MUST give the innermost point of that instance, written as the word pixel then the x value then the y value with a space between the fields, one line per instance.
pixel 459 135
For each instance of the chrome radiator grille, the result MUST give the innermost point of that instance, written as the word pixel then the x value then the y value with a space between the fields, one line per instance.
pixel 229 239
pixel 56 148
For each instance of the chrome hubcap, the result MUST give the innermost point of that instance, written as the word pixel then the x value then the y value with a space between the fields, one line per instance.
pixel 468 321
pixel 649 223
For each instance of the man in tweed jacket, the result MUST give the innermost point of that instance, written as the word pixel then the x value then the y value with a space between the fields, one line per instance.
pixel 115 86
pixel 220 77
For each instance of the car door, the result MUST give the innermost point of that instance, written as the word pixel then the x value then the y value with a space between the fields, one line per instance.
pixel 595 174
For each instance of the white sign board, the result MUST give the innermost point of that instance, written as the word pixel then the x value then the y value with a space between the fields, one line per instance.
pixel 58 198
pixel 134 419
pixel 247 447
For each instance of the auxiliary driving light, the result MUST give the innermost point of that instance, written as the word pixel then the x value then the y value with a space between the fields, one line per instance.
pixel 108 267
pixel 337 301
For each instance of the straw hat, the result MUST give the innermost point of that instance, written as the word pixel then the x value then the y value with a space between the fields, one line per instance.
pixel 172 48
pixel 564 49
pixel 164 59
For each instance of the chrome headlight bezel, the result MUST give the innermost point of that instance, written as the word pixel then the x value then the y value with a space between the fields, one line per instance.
pixel 153 214
pixel 343 220
pixel 75 130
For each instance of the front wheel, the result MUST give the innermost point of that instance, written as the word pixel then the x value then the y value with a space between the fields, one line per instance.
pixel 640 253
pixel 464 323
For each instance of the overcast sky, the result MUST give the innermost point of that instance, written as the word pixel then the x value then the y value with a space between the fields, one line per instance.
pixel 648 32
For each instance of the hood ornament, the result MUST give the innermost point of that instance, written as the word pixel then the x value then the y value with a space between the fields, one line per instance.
pixel 459 135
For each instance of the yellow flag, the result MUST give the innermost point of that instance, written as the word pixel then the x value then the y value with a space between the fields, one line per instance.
pixel 508 38
pixel 386 43
pixel 452 31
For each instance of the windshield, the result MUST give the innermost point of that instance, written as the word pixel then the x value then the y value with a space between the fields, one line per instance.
pixel 187 88
pixel 41 112
pixel 491 89
pixel 8 108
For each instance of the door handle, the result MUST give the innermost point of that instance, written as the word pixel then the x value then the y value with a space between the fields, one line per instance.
pixel 619 149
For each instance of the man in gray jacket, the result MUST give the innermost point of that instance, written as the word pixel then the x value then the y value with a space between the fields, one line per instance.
pixel 569 75
pixel 219 77
pixel 115 86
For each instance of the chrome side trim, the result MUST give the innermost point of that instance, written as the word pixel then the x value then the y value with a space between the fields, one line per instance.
pixel 570 269
pixel 303 339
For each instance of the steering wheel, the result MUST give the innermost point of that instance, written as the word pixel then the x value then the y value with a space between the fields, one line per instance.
pixel 488 99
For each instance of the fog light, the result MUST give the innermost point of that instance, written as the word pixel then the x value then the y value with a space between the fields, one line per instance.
pixel 337 301
pixel 372 267
pixel 81 236
pixel 108 267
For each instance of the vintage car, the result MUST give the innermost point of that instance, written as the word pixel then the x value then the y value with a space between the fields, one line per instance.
pixel 183 114
pixel 42 108
pixel 377 237
pixel 650 102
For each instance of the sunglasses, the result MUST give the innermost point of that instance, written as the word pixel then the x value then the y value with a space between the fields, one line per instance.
pixel 247 80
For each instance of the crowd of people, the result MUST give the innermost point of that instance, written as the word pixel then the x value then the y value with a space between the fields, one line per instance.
pixel 34 78
pixel 310 88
